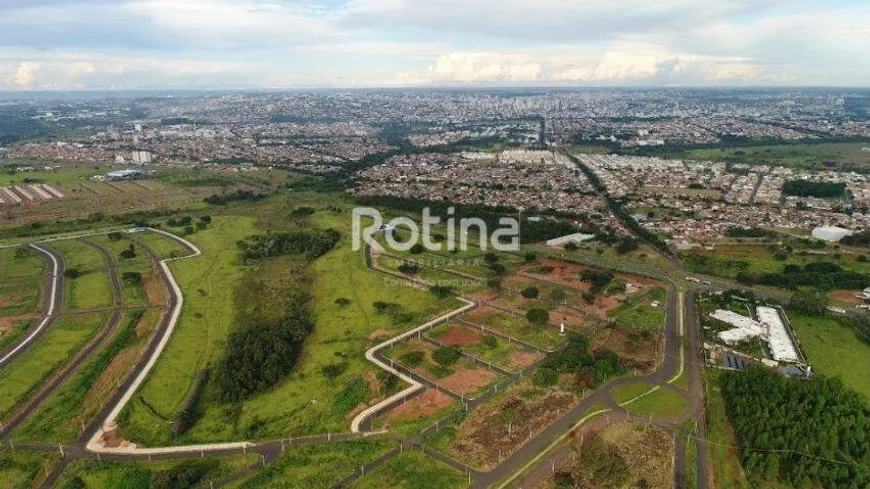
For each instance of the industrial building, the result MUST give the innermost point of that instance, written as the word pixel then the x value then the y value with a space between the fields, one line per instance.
pixel 571 238
pixel 769 327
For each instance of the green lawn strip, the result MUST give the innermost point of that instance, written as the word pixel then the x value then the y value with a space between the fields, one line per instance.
pixel 207 283
pixel 628 392
pixel 834 349
pixel 92 288
pixel 54 421
pixel 412 470
pixel 24 469
pixel 662 402
pixel 152 475
pixel 22 272
pixel 133 292
pixel 316 466
pixel 723 455
pixel 691 454
pixel 16 328
pixel 53 350
pixel 163 246
pixel 638 313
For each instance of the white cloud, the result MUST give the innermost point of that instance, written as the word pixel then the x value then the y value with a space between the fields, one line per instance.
pixel 581 64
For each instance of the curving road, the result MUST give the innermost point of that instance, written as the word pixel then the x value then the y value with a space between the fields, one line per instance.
pixel 50 308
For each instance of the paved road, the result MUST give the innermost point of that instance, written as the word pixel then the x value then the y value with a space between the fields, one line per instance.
pixel 50 307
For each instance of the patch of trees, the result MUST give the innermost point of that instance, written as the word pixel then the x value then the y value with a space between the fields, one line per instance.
pixel 601 465
pixel 787 427
pixel 446 355
pixel 589 369
pixel 599 280
pixel 530 231
pixel 311 243
pixel 857 239
pixel 821 190
pixel 819 275
pixel 233 197
pixel 258 356
pixel 738 232
pixel 530 292
pixel 441 291
pixel 409 269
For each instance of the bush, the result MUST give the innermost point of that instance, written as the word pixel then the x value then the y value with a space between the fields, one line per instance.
pixel 333 370
pixel 530 257
pixel 412 358
pixel 571 246
pixel 446 355
pixel 545 377
pixel 409 269
pixel 417 249
pixel 342 302
pixel 489 342
pixel 72 273
pixel 129 253
pixel 538 316
pixel 498 268
pixel 441 291
pixel 530 293
pixel 182 476
pixel 115 236
pixel 131 278
pixel 494 283
pixel 490 258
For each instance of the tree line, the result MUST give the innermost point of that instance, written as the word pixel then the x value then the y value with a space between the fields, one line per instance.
pixel 803 433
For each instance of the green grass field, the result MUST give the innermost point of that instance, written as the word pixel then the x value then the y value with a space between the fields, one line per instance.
pixel 22 281
pixel 724 460
pixel 60 418
pixel 206 320
pixel 24 470
pixel 164 246
pixel 412 470
pixel 638 313
pixel 306 402
pixel 316 466
pixel 630 391
pixel 92 289
pixel 834 349
pixel 139 475
pixel 53 350
pixel 843 156
pixel 662 402
pixel 132 293
pixel 69 174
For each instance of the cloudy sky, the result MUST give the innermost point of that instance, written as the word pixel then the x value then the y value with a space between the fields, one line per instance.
pixel 100 44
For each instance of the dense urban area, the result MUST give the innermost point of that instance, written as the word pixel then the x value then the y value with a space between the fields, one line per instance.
pixel 182 303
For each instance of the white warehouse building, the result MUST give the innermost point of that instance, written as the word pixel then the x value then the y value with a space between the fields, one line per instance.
pixel 831 233
pixel 769 327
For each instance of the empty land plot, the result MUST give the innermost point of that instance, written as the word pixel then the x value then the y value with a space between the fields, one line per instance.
pixel 316 466
pixel 432 276
pixel 637 349
pixel 139 280
pixel 620 455
pixel 638 311
pixel 497 428
pixel 412 470
pixel 544 337
pixel 414 415
pixel 79 399
pixel 29 369
pixel 461 376
pixel 500 352
pixel 23 469
pixel 139 475
pixel 87 283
